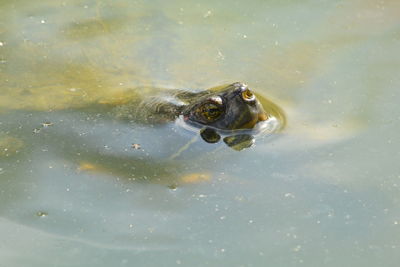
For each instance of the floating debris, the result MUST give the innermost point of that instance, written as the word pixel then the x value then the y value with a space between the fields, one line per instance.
pixel 136 146
pixel 47 124
pixel 173 187
pixel 42 125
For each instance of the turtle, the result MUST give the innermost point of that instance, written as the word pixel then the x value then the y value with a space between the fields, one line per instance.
pixel 231 112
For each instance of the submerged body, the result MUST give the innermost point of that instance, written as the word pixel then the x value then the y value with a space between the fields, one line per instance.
pixel 229 112
pixel 120 135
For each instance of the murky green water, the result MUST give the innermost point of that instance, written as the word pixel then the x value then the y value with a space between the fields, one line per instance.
pixel 324 192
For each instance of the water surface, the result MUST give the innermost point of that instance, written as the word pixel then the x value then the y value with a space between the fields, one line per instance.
pixel 324 192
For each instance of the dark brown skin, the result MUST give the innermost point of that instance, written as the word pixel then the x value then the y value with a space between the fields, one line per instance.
pixel 222 112
pixel 233 107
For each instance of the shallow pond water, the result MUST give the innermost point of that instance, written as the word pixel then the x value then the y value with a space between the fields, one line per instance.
pixel 323 192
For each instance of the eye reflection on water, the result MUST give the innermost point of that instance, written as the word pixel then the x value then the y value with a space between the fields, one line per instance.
pixel 79 187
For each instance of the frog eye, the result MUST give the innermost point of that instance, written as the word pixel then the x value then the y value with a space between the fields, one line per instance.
pixel 210 111
pixel 247 95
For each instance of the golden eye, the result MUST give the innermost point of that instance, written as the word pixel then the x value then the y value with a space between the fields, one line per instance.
pixel 210 111
pixel 247 95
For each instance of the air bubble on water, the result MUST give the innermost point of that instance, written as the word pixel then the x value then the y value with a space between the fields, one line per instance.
pixel 297 248
pixel 287 195
pixel 207 14
pixel 220 55
pixel 41 214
